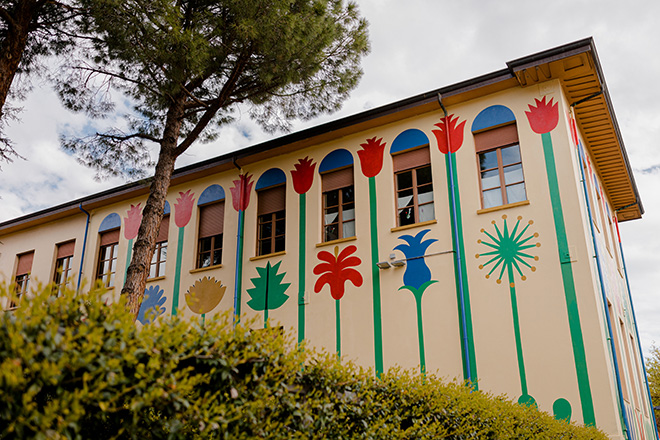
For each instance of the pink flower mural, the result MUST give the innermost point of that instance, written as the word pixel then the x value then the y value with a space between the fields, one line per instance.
pixel 455 134
pixel 132 221
pixel 371 156
pixel 183 208
pixel 240 192
pixel 303 175
pixel 544 117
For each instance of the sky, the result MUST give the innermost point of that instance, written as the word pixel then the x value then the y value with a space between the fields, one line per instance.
pixel 418 46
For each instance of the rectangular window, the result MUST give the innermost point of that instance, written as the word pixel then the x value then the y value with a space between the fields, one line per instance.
pixel 601 209
pixel 157 266
pixel 272 220
pixel 63 262
pixel 211 227
pixel 107 266
pixel 500 166
pixel 22 279
pixel 414 187
pixel 617 350
pixel 338 204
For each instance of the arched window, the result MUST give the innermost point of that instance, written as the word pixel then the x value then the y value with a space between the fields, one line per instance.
pixel 271 211
pixel 413 178
pixel 498 154
pixel 211 205
pixel 336 171
pixel 109 242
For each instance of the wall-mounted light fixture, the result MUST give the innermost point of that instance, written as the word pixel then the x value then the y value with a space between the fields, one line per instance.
pixel 383 265
pixel 398 263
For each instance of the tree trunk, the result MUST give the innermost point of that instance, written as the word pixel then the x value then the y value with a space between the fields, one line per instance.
pixel 11 48
pixel 138 270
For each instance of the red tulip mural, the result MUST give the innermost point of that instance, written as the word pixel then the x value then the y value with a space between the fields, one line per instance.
pixel 131 226
pixel 336 269
pixel 182 212
pixel 450 139
pixel 543 117
pixel 240 198
pixel 302 177
pixel 183 208
pixel 371 162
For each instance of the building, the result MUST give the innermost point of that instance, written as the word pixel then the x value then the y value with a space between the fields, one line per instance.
pixel 469 232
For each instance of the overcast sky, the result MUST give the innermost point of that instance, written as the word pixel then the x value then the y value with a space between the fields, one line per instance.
pixel 418 46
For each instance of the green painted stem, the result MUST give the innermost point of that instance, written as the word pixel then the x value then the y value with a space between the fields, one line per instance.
pixel 128 258
pixel 465 316
pixel 302 226
pixel 203 319
pixel 516 331
pixel 238 281
pixel 177 273
pixel 574 324
pixel 420 335
pixel 338 327
pixel 375 275
pixel 266 317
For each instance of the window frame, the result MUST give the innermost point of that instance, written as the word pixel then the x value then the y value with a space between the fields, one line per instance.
pixel 329 185
pixel 21 278
pixel 501 175
pixel 417 159
pixel 270 216
pixel 63 265
pixel 107 278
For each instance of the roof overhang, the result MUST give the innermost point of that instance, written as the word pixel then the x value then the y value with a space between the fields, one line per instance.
pixel 576 65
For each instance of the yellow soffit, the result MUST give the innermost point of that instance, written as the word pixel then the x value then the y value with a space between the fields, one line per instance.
pixel 581 79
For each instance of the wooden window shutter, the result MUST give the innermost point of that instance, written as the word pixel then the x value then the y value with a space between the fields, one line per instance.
pixel 24 263
pixel 272 200
pixel 164 229
pixel 337 179
pixel 109 237
pixel 66 249
pixel 411 159
pixel 496 137
pixel 211 219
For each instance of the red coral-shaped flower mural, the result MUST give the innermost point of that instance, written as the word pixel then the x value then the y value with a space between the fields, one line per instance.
pixel 183 208
pixel 544 117
pixel 371 156
pixel 240 192
pixel 336 270
pixel 132 221
pixel 455 134
pixel 303 175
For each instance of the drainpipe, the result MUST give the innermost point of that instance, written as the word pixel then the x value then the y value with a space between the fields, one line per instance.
pixel 639 345
pixel 82 257
pixel 456 240
pixel 622 408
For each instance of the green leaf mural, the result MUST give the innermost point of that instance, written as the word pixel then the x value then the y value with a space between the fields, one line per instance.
pixel 268 292
pixel 508 252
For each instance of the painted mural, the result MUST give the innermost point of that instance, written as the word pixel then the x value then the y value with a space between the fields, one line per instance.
pixel 302 177
pixel 336 269
pixel 543 117
pixel 131 225
pixel 240 198
pixel 449 136
pixel 509 252
pixel 182 213
pixel 269 290
pixel 203 296
pixel 371 163
pixel 153 304
pixel 416 279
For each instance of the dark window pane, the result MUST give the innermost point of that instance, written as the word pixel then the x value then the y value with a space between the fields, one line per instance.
pixel 406 217
pixel 280 227
pixel 424 175
pixel 217 257
pixel 404 180
pixel 279 244
pixel 488 160
pixel 332 198
pixel 348 195
pixel 264 247
pixel 510 155
pixel 331 232
pixel 266 230
pixel 280 215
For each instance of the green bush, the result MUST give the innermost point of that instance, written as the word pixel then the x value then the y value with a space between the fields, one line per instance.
pixel 74 367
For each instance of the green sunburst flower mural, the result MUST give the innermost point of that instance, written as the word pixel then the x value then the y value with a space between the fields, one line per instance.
pixel 510 252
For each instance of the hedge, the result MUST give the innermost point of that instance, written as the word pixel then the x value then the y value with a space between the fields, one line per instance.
pixel 73 367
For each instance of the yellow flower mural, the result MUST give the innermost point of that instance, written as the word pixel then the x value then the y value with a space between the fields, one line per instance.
pixel 205 295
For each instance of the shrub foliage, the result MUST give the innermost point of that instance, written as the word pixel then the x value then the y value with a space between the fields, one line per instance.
pixel 74 367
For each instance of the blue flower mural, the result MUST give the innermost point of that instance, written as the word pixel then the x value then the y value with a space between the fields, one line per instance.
pixel 152 304
pixel 417 278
